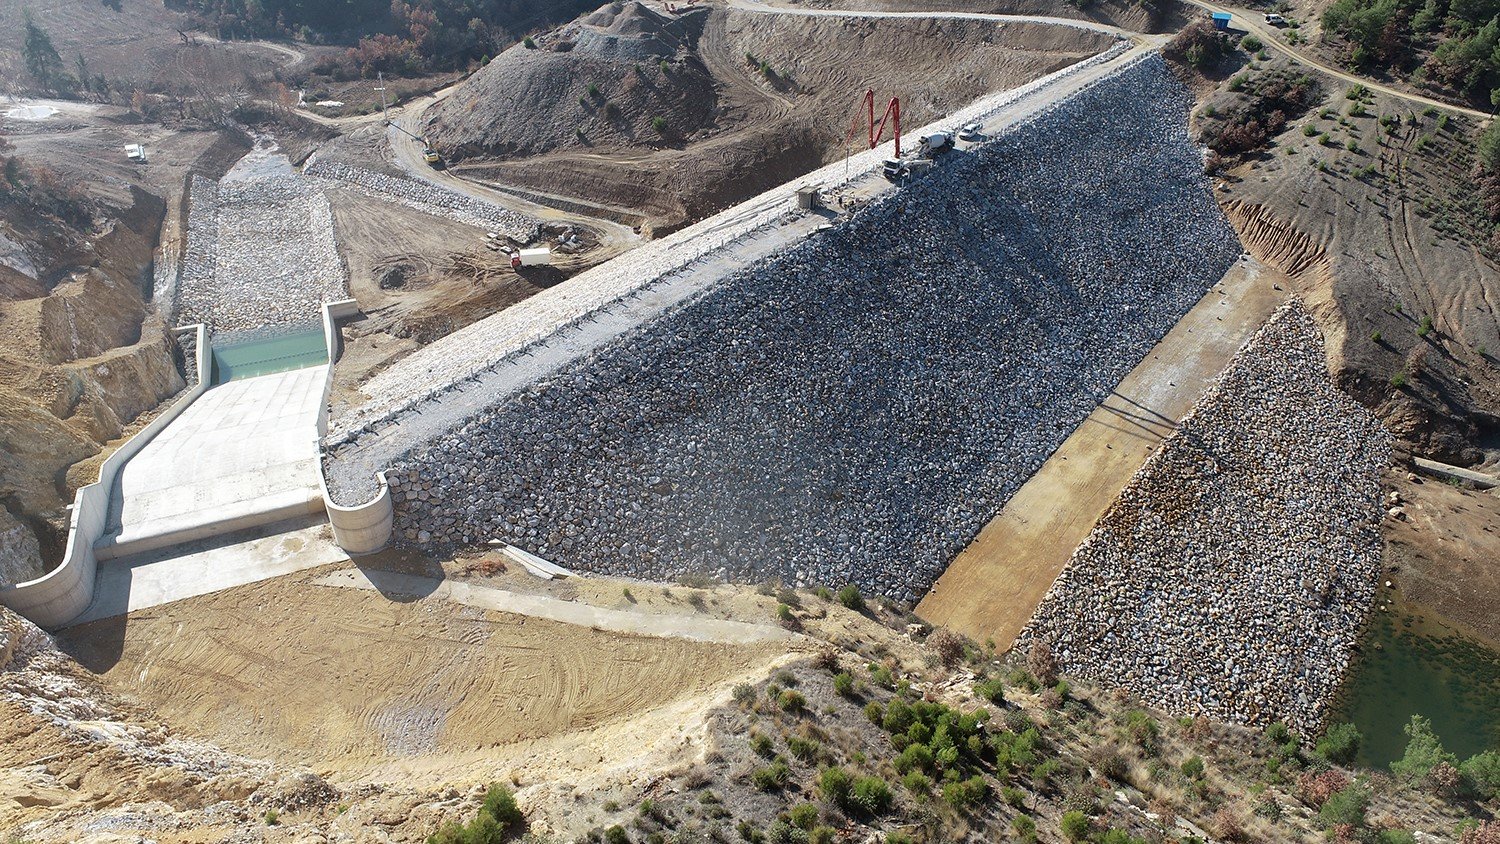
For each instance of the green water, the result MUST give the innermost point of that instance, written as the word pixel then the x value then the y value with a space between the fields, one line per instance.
pixel 1411 666
pixel 265 357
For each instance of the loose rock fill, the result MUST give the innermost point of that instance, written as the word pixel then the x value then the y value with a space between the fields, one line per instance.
pixel 855 409
pixel 1233 574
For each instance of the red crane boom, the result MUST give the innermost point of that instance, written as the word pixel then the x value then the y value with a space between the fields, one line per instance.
pixel 892 115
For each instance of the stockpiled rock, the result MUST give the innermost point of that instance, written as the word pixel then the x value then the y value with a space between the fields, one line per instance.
pixel 1232 575
pixel 856 408
pixel 427 198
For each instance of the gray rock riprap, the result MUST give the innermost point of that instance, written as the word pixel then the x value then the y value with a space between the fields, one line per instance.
pixel 856 408
pixel 1233 574
pixel 260 248
pixel 428 198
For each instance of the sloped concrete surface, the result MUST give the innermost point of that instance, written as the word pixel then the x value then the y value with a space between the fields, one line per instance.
pixel 245 453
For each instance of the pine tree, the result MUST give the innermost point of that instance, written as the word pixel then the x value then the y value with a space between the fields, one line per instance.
pixel 42 59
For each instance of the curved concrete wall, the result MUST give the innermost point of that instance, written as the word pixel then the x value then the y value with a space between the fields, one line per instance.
pixel 59 596
pixel 363 528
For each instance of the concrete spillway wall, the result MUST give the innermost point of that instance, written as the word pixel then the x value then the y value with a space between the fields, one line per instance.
pixel 855 409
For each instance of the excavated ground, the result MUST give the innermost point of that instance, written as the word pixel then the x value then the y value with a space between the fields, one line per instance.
pixel 530 118
pixel 400 687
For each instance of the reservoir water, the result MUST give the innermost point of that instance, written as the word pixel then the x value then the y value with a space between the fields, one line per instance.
pixel 269 356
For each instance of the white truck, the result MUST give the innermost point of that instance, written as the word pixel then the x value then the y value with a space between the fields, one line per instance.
pixel 536 257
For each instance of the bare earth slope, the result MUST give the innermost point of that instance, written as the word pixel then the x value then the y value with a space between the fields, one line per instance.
pixel 580 122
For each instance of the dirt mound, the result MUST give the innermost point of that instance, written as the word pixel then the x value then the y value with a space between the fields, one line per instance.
pixel 772 97
pixel 604 80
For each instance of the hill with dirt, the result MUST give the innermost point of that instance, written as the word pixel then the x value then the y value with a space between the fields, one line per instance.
pixel 84 354
pixel 680 116
pixel 1371 204
pixel 128 44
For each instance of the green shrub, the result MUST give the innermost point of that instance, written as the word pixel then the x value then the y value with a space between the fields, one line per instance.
pixel 1075 826
pixel 1024 827
pixel 1013 797
pixel 1045 773
pixel 793 702
pixel 616 835
pixel 1398 379
pixel 1309 130
pixel 834 784
pixel 1395 836
pixel 966 793
pixel 1142 730
pixel 272 817
pixel 529 43
pixel 761 744
pixel 824 593
pixel 593 90
pixel 804 816
pixel 1345 807
pixel 666 67
pixel 992 690
pixel 843 684
pixel 1237 83
pixel 1481 774
pixel 659 124
pixel 1192 767
pixel 1340 744
pixel 874 712
pixel 870 795
pixel 916 757
pixel 822 835
pixel 802 749
pixel 1425 327
pixel 1374 338
pixel 772 777
pixel 849 596
pixel 784 613
pixel 917 783
pixel 1423 752
pixel 500 804
pixel 1251 44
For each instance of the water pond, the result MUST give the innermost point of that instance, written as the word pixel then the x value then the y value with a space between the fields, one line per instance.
pixel 1412 665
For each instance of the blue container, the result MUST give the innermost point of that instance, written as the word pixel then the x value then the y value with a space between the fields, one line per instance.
pixel 1221 20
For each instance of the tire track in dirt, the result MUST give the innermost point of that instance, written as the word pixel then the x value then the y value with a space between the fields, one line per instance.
pixel 354 681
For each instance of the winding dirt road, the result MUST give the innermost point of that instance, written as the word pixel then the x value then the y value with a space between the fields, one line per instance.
pixel 1253 23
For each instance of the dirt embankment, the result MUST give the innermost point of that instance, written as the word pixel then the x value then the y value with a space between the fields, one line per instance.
pixel 782 91
pixel 77 365
pixel 1374 216
pixel 83 351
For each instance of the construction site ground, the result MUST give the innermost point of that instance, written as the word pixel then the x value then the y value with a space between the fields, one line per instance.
pixel 990 589
pixel 401 670
pixel 767 128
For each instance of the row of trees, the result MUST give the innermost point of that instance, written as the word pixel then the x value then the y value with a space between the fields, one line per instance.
pixel 1462 35
pixel 396 36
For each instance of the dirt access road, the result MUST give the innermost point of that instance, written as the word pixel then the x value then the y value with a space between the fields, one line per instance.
pixel 993 586
pixel 1253 23
pixel 614 238
pixel 1092 26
